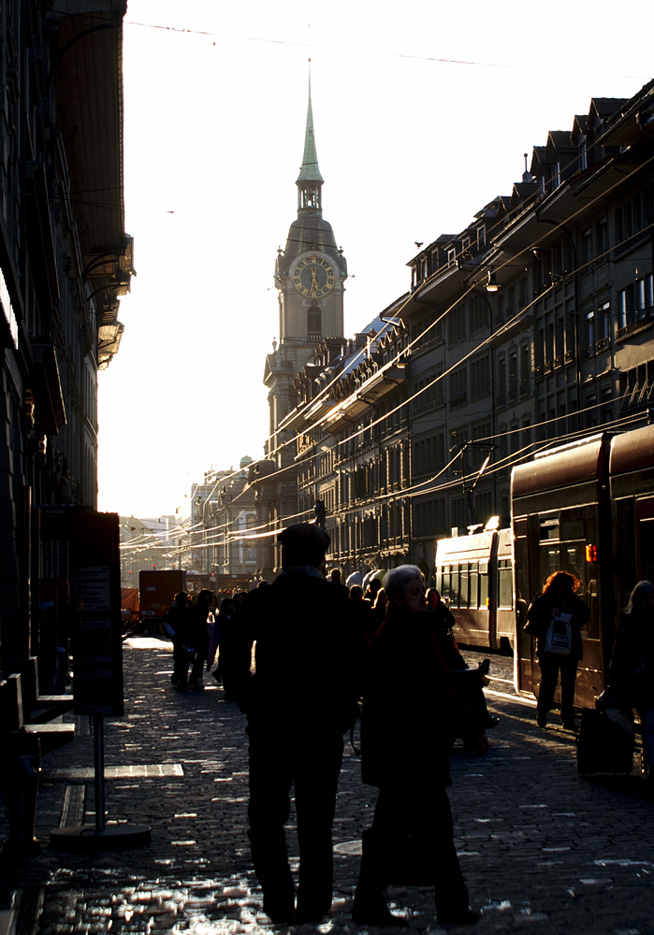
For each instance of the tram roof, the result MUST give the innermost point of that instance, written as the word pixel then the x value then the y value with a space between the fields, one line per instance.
pixel 569 465
pixel 632 451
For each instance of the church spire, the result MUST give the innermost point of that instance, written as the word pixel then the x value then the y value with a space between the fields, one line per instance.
pixel 309 181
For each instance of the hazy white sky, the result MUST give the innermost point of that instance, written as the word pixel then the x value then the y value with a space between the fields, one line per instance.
pixel 422 115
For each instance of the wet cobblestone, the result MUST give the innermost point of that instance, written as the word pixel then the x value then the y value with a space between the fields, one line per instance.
pixel 543 850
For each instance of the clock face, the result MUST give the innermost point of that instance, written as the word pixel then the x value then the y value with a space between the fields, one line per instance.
pixel 314 277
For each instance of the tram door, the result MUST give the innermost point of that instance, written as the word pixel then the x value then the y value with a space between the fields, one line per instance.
pixel 645 538
pixel 548 542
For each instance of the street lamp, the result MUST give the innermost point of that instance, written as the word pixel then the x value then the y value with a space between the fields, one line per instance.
pixel 492 284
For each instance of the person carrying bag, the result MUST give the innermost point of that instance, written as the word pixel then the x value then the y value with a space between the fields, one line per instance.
pixel 554 620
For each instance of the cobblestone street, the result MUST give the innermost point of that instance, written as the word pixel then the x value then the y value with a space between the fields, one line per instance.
pixel 543 850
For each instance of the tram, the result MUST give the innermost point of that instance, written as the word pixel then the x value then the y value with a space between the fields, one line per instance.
pixel 587 508
pixel 474 574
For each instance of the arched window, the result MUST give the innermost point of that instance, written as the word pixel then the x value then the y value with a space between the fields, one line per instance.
pixel 314 322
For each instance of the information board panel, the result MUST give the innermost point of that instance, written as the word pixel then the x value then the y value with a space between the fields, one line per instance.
pixel 97 628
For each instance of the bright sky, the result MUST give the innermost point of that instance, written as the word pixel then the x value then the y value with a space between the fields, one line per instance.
pixel 422 114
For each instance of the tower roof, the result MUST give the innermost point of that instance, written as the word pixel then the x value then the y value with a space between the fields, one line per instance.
pixel 309 171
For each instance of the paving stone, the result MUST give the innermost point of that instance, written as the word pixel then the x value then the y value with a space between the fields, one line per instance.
pixel 543 850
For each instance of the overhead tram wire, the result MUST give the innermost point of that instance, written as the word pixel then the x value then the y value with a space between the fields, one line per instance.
pixel 409 298
pixel 471 63
pixel 472 288
pixel 420 489
pixel 521 312
pixel 419 337
pixel 478 347
pixel 512 461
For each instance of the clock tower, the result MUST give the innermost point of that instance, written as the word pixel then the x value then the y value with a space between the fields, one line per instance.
pixel 309 275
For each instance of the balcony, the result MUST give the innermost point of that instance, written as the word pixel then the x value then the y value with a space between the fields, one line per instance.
pixel 633 327
pixel 377 386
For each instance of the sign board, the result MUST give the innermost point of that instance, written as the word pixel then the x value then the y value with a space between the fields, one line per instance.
pixel 97 630
pixel 92 541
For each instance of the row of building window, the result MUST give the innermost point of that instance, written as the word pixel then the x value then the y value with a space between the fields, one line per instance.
pixel 635 304
pixel 371 531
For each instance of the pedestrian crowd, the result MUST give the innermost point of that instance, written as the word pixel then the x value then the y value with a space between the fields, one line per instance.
pixel 306 657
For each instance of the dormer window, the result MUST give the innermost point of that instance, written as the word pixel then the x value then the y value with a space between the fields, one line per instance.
pixel 451 256
pixel 423 269
pixel 556 174
pixel 583 156
pixel 481 237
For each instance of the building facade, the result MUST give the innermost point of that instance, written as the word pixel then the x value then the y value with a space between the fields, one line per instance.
pixel 228 514
pixel 531 327
pixel 65 260
pixel 562 345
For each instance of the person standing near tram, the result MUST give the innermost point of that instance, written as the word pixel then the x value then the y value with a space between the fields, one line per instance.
pixel 555 619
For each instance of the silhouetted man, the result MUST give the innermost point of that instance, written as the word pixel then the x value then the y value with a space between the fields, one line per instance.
pixel 299 703
pixel 337 584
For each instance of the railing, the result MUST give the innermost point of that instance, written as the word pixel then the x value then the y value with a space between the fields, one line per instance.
pixel 637 325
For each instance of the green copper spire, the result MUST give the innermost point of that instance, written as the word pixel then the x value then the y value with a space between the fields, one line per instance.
pixel 309 181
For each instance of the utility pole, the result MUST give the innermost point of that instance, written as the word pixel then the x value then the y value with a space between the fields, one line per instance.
pixel 470 483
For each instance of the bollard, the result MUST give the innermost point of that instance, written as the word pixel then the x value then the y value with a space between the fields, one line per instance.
pixel 22 763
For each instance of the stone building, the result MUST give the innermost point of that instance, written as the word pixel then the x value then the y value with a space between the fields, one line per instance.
pixel 529 328
pixel 65 260
pixel 227 513
pixel 561 346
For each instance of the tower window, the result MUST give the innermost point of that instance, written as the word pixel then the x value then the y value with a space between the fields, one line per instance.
pixel 314 322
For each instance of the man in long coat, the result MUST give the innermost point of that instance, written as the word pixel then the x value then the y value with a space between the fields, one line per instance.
pixel 299 702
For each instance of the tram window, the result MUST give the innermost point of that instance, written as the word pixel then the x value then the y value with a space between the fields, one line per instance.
pixel 454 587
pixel 572 528
pixel 444 583
pixel 550 562
pixel 483 586
pixel 464 585
pixel 505 583
pixel 549 528
pixel 574 559
pixel 565 556
pixel 474 587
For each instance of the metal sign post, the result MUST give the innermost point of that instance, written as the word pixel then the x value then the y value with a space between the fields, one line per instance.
pixel 98 664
